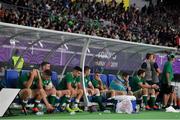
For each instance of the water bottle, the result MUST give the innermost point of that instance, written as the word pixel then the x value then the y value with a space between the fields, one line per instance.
pixel 137 108
pixel 40 113
pixel 107 111
pixel 142 107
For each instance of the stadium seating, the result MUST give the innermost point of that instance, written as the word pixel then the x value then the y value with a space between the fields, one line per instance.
pixel 23 72
pixel 92 76
pixel 104 79
pixel 111 77
pixel 54 78
pixel 11 78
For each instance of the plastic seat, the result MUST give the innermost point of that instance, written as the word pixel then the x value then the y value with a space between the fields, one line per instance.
pixel 110 78
pixel 55 79
pixel 104 79
pixel 23 72
pixel 11 78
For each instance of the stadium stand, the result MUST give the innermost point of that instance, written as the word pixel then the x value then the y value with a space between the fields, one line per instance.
pixel 152 25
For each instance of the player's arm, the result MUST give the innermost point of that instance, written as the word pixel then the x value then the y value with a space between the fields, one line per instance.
pixel 79 86
pixel 145 85
pixel 126 83
pixel 90 85
pixel 69 86
pixel 154 86
pixel 40 85
pixel 28 83
pixel 101 85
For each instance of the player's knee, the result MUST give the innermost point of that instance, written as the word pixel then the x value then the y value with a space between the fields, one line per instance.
pixel 42 91
pixel 145 90
pixel 130 93
pixel 153 92
pixel 73 92
pixel 27 92
pixel 68 92
pixel 59 93
pixel 80 91
pixel 124 93
pixel 97 91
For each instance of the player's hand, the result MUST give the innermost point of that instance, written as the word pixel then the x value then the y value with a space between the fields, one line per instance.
pixel 34 72
pixel 155 86
pixel 90 91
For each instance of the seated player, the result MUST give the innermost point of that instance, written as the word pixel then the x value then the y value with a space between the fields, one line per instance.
pixel 48 86
pixel 97 83
pixel 141 88
pixel 88 84
pixel 71 82
pixel 91 90
pixel 31 87
pixel 121 85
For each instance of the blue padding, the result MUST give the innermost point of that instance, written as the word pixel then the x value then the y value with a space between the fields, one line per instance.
pixel 54 78
pixel 110 78
pixel 91 76
pixel 11 77
pixel 104 79
pixel 23 72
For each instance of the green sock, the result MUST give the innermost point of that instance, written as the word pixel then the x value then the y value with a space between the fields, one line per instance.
pixel 153 100
pixel 52 100
pixel 63 101
pixel 145 100
pixel 68 101
pixel 36 103
pixel 98 99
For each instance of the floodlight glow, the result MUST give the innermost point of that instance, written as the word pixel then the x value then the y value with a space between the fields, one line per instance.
pixel 88 50
pixel 66 46
pixel 40 43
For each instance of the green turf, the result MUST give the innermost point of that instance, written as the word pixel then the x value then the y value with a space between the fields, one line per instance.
pixel 98 115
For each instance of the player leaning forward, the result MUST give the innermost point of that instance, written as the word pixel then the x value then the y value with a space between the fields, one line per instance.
pixel 142 89
pixel 71 82
pixel 32 87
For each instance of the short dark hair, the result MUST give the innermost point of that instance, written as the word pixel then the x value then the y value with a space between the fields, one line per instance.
pixel 97 72
pixel 48 72
pixel 44 63
pixel 140 71
pixel 16 52
pixel 86 68
pixel 148 55
pixel 125 74
pixel 77 68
